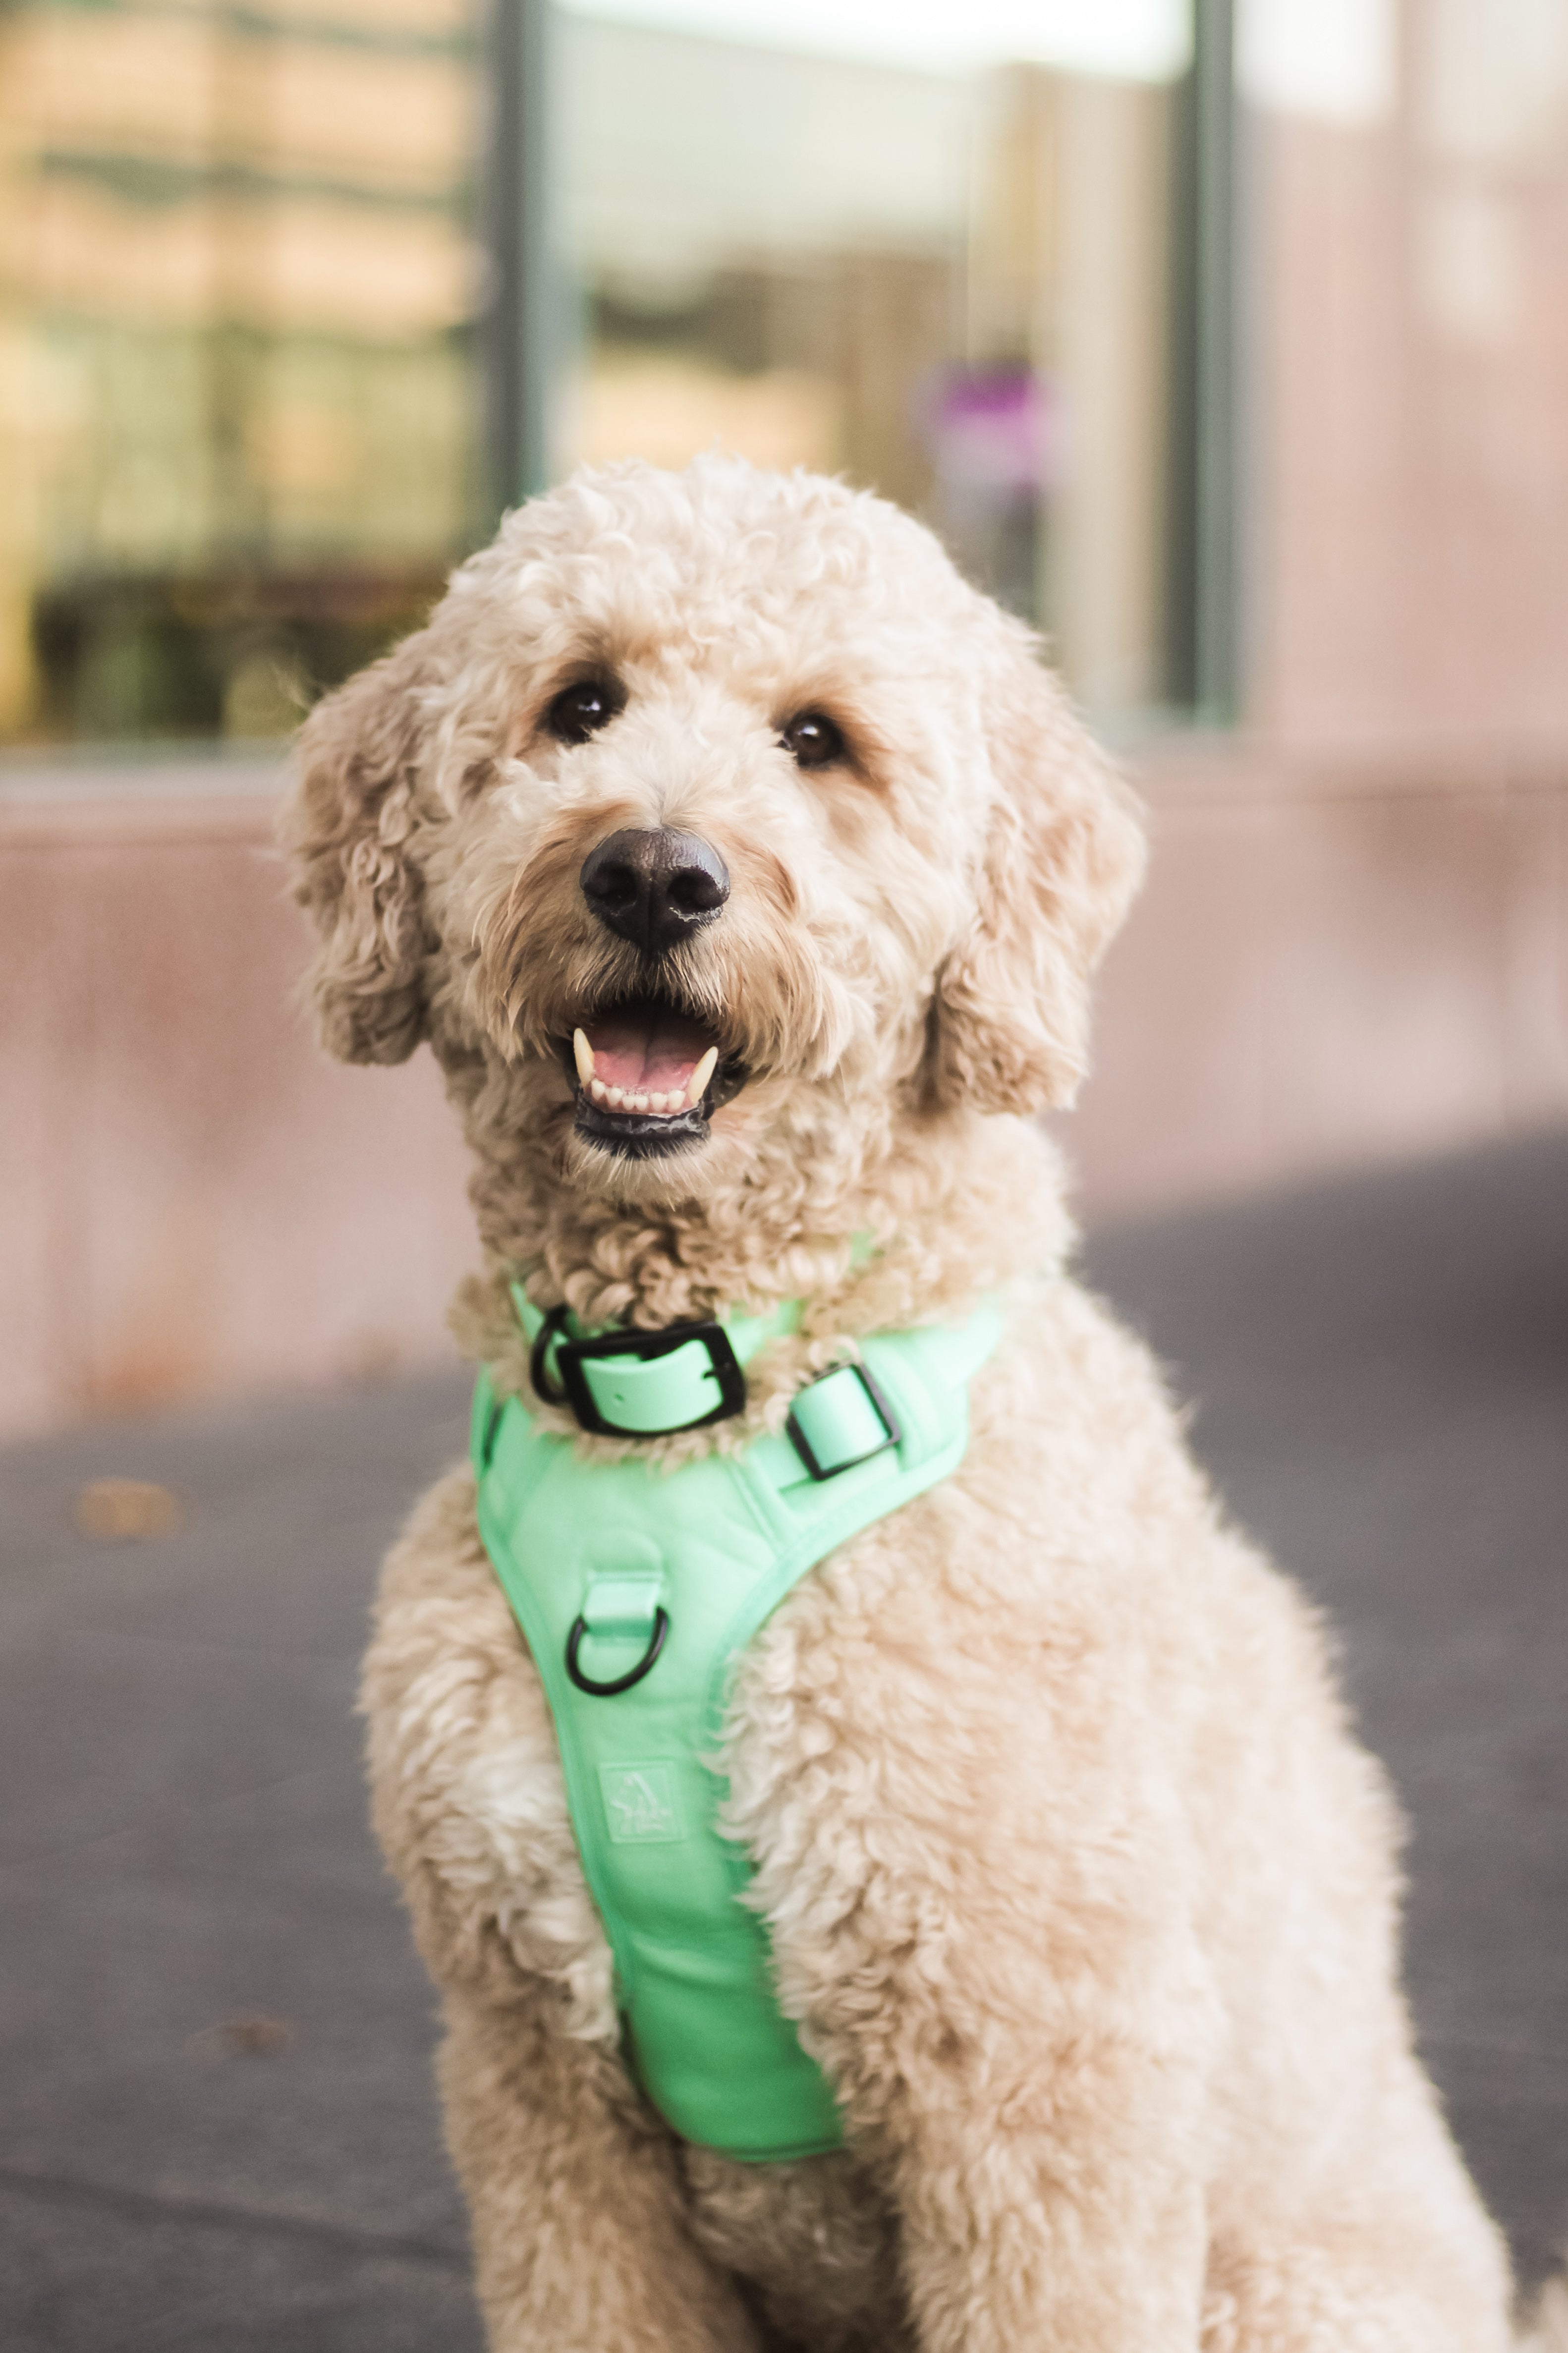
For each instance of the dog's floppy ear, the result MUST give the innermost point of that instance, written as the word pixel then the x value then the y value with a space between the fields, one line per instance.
pixel 347 828
pixel 1063 858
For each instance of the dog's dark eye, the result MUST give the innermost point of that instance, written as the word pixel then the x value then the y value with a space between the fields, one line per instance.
pixel 580 710
pixel 814 739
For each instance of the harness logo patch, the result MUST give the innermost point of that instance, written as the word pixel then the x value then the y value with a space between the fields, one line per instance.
pixel 640 1804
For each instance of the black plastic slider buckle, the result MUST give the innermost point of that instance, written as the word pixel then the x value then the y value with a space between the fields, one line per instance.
pixel 892 1434
pixel 570 1356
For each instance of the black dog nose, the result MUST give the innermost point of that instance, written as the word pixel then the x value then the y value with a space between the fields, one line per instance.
pixel 655 888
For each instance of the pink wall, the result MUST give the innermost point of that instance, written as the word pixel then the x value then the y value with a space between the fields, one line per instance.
pixel 190 1198
pixel 1330 963
pixel 1328 967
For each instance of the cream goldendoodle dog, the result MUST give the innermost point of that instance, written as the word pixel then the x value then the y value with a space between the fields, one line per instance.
pixel 746 872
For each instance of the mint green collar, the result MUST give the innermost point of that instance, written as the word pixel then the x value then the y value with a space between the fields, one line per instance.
pixel 623 1383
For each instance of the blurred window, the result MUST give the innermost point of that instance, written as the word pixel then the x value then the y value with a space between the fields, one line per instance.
pixel 932 247
pixel 236 397
pixel 941 248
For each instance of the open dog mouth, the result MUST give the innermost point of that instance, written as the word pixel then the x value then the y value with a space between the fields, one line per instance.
pixel 649 1075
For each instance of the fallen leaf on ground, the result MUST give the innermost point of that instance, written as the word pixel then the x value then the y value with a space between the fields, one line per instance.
pixel 115 1509
pixel 250 2032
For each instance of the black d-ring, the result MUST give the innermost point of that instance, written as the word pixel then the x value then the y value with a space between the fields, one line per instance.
pixel 622 1683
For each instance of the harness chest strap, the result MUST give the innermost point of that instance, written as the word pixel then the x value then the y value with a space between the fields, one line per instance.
pixel 637 1590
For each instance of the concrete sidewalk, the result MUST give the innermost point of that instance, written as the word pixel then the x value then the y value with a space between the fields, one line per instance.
pixel 216 2130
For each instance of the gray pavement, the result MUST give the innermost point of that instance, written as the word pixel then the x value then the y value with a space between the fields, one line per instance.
pixel 216 2128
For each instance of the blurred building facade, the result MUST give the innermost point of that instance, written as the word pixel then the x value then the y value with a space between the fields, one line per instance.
pixel 237 278
pixel 958 291
pixel 241 296
pixel 1412 437
pixel 242 395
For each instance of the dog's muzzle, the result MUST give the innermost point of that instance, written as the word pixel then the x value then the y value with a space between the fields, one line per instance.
pixel 650 1071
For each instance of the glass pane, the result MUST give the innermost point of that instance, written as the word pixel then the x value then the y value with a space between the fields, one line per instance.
pixel 237 406
pixel 928 247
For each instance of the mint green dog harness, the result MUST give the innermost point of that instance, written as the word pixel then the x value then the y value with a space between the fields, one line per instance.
pixel 637 1590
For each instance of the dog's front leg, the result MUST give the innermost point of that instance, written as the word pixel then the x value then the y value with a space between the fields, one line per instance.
pixel 581 2243
pixel 1062 2212
pixel 579 2225
pixel 1036 2105
pixel 978 1885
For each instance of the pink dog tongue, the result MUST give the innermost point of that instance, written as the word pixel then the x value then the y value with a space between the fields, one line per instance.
pixel 647 1050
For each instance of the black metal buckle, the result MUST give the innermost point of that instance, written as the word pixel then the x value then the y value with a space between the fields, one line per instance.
pixel 645 1345
pixel 801 1444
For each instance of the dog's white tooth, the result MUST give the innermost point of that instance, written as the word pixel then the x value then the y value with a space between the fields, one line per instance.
pixel 657 1103
pixel 639 1103
pixel 598 1090
pixel 584 1056
pixel 615 1098
pixel 697 1084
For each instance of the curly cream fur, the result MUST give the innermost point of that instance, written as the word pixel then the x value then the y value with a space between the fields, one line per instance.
pixel 1078 1883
